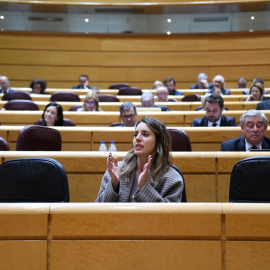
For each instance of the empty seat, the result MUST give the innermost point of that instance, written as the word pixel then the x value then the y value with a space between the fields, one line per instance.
pixel 129 91
pixel 3 145
pixel 38 179
pixel 16 95
pixel 179 140
pixel 250 180
pixel 64 96
pixel 20 105
pixel 75 108
pixel 39 138
pixel 107 98
pixel 118 85
pixel 191 97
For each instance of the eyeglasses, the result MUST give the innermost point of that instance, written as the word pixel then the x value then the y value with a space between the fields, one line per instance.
pixel 162 94
pixel 128 116
pixel 92 103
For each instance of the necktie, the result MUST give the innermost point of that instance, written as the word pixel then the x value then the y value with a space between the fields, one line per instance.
pixel 214 125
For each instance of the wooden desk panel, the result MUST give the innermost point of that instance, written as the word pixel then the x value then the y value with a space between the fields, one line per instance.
pixel 30 255
pixel 163 254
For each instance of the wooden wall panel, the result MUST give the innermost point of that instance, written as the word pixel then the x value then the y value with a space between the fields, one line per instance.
pixel 138 60
pixel 144 255
pixel 25 255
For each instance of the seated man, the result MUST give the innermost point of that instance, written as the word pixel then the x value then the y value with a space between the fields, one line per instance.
pixel 128 115
pixel 214 105
pixel 162 94
pixel 4 84
pixel 218 86
pixel 253 125
pixel 170 84
pixel 83 80
pixel 263 105
pixel 202 82
pixel 148 100
pixel 38 86
pixel 242 82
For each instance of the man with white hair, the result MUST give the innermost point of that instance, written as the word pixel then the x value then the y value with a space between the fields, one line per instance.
pixel 218 86
pixel 253 125
pixel 202 82
pixel 4 84
pixel 148 100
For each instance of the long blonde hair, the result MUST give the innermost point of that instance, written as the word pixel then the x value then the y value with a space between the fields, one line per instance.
pixel 93 95
pixel 162 159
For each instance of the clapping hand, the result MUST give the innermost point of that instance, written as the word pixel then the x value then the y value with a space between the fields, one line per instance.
pixel 113 170
pixel 145 173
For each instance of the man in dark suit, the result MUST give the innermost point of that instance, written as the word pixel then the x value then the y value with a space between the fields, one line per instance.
pixel 218 86
pixel 213 106
pixel 4 83
pixel 148 101
pixel 202 82
pixel 128 115
pixel 83 80
pixel 264 105
pixel 171 84
pixel 253 125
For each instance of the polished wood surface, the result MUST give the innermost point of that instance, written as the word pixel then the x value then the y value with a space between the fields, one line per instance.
pixel 88 138
pixel 63 57
pixel 104 235
pixel 105 119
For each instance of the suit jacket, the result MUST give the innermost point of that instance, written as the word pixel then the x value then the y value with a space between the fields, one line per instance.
pixel 240 145
pixel 264 105
pixel 79 87
pixel 196 86
pixel 176 93
pixel 8 91
pixel 224 122
pixel 224 91
pixel 169 188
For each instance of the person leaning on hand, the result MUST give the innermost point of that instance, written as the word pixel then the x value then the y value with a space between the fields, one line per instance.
pixel 146 173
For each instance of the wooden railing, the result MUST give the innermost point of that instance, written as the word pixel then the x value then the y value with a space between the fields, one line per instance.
pixel 104 236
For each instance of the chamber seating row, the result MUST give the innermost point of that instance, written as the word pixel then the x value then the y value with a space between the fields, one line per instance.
pixel 174 106
pixel 207 174
pixel 134 98
pixel 235 91
pixel 88 138
pixel 105 119
pixel 104 236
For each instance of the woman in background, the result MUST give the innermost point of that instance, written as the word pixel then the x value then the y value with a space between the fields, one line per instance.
pixel 53 116
pixel 256 93
pixel 146 174
pixel 91 102
pixel 38 86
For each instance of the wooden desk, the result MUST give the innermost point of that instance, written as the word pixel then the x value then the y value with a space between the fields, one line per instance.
pixel 174 106
pixel 104 119
pixel 176 236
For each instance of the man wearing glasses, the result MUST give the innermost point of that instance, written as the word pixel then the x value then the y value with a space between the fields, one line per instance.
pixel 128 115
pixel 162 94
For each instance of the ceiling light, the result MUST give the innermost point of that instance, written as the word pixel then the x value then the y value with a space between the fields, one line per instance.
pixel 2 17
pixel 251 30
pixel 168 32
pixel 86 20
pixel 252 18
pixel 169 20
